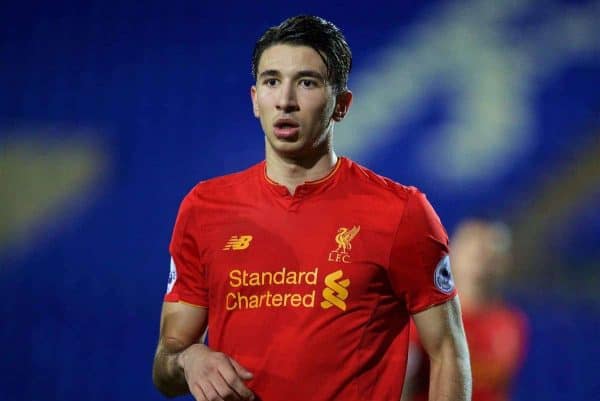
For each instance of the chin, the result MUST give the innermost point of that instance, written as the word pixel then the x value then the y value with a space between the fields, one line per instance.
pixel 289 150
pixel 285 144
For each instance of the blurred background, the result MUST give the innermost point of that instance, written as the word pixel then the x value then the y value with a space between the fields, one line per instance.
pixel 110 112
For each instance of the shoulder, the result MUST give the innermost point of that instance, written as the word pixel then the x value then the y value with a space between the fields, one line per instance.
pixel 508 322
pixel 407 206
pixel 510 314
pixel 370 182
pixel 221 187
pixel 225 182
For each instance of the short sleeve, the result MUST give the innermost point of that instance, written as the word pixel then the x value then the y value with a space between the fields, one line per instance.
pixel 419 266
pixel 187 276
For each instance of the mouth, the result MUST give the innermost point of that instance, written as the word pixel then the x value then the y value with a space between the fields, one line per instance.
pixel 286 128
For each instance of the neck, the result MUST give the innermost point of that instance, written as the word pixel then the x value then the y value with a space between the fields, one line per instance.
pixel 294 171
pixel 475 297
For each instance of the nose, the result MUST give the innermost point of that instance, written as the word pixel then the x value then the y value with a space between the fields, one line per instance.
pixel 287 101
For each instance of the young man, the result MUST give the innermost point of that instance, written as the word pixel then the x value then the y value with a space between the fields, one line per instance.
pixel 307 266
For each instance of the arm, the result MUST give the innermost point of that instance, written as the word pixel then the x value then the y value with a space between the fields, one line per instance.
pixel 442 335
pixel 416 379
pixel 182 365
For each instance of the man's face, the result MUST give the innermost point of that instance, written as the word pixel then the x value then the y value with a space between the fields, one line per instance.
pixel 293 100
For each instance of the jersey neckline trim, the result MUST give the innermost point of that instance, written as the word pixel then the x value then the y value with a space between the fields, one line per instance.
pixel 307 186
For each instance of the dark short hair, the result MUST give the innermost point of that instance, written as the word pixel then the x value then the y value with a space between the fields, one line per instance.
pixel 315 32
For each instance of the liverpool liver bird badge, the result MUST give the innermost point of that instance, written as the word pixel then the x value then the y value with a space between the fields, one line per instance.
pixel 344 237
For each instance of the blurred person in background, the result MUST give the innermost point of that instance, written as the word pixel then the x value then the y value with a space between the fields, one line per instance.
pixel 496 332
pixel 307 266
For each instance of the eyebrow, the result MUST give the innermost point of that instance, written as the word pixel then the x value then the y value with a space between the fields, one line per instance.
pixel 310 73
pixel 301 73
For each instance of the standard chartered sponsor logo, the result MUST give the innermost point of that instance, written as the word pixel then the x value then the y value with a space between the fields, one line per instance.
pixel 335 293
pixel 271 299
pixel 241 278
pixel 284 288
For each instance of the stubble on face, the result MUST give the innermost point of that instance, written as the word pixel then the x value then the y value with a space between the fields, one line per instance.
pixel 292 85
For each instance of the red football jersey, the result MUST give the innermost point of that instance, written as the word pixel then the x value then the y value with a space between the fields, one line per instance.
pixel 497 343
pixel 311 292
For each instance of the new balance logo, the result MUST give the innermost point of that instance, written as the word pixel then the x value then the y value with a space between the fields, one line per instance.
pixel 335 293
pixel 238 243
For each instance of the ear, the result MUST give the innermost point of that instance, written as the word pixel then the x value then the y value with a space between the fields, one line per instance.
pixel 342 105
pixel 254 102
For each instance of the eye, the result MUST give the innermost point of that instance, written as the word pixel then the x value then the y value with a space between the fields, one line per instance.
pixel 270 82
pixel 308 83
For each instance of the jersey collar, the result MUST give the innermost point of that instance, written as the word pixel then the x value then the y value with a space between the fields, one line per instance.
pixel 308 187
